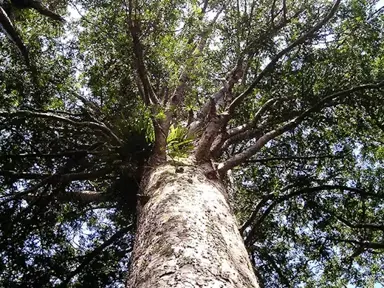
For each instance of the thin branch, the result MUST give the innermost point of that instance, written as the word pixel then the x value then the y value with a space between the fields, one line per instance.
pixel 84 175
pixel 371 226
pixel 236 102
pixel 68 153
pixel 306 190
pixel 26 113
pixel 52 179
pixel 284 9
pixel 178 94
pixel 88 258
pixel 271 260
pixel 238 72
pixel 22 175
pixel 375 14
pixel 259 277
pixel 242 128
pixel 20 195
pixel 260 205
pixel 250 49
pixel 291 124
pixel 364 244
pixel 273 7
pixel 242 132
pixel 68 177
pixel 293 158
pixel 86 102
pixel 162 127
pixel 204 9
pixel 82 197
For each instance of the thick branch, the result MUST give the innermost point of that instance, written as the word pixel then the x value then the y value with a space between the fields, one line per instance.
pixel 230 80
pixel 241 157
pixel 10 31
pixel 203 150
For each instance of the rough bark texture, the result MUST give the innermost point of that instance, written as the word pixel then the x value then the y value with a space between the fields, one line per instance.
pixel 187 235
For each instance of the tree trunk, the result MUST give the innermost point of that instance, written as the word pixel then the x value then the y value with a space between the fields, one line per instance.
pixel 187 235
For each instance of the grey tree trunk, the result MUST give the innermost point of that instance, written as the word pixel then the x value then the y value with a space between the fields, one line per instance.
pixel 187 235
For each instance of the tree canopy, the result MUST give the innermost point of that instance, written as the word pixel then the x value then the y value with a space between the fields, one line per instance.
pixel 297 87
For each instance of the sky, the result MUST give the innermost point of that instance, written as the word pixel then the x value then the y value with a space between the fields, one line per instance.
pixel 377 285
pixel 75 14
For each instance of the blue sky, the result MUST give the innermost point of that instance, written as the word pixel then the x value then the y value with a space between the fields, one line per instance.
pixel 75 15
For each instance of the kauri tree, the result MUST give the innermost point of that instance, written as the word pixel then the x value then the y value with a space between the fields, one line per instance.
pixel 206 143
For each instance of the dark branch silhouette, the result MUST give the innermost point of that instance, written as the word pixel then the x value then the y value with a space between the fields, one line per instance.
pixel 38 6
pixel 10 31
pixel 88 258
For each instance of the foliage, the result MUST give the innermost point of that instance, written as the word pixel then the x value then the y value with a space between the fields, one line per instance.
pixel 73 147
pixel 178 142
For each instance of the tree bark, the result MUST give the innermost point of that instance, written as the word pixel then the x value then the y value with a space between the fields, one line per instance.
pixel 187 235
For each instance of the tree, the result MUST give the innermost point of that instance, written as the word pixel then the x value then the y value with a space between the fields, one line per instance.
pixel 158 122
